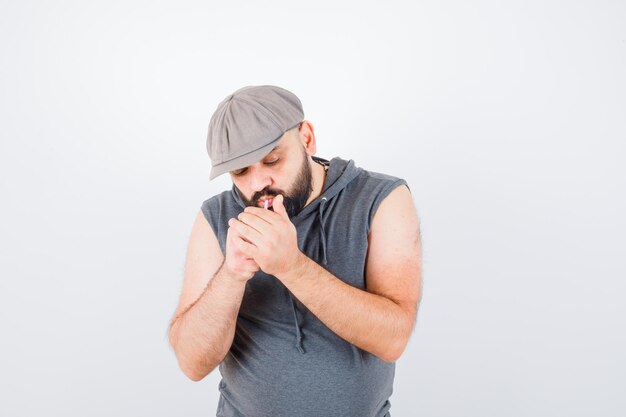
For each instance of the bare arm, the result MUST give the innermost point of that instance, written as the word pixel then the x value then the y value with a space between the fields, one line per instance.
pixel 202 330
pixel 380 319
pixel 202 334
pixel 372 322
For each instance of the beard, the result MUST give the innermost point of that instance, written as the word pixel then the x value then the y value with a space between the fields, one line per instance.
pixel 295 200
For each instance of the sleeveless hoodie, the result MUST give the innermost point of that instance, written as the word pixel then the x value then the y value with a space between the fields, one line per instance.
pixel 283 361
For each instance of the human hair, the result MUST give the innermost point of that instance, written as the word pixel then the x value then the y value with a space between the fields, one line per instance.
pixel 296 128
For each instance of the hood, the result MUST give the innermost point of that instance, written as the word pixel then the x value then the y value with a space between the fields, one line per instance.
pixel 340 173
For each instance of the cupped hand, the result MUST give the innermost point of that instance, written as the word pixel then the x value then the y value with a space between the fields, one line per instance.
pixel 269 237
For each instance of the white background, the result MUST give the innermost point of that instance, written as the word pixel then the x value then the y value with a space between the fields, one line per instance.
pixel 507 119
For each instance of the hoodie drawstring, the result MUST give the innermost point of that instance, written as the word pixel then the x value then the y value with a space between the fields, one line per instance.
pixel 323 230
pixel 298 331
pixel 324 261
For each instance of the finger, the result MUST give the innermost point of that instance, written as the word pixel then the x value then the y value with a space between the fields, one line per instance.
pixel 250 265
pixel 233 235
pixel 235 246
pixel 267 215
pixel 279 207
pixel 256 222
pixel 248 233
pixel 248 249
pixel 240 246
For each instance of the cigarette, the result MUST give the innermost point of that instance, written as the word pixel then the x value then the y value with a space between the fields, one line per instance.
pixel 265 204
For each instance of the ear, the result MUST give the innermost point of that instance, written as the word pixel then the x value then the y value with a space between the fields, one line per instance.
pixel 306 135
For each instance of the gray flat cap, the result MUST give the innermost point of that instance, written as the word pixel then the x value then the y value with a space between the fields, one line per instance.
pixel 247 125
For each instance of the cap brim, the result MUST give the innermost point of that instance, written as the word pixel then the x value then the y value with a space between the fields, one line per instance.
pixel 243 160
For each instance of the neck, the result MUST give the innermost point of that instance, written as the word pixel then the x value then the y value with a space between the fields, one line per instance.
pixel 319 176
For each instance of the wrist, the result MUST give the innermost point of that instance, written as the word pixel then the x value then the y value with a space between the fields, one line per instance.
pixel 297 268
pixel 232 279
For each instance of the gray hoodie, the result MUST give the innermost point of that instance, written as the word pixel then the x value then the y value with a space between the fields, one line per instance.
pixel 284 362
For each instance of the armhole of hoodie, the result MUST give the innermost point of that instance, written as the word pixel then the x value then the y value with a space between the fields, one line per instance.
pixel 206 211
pixel 384 192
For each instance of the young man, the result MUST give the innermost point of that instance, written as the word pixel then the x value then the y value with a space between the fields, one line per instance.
pixel 302 282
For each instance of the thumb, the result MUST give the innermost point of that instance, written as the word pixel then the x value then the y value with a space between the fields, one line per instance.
pixel 278 205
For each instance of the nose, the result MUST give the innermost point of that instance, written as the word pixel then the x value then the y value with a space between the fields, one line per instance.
pixel 259 180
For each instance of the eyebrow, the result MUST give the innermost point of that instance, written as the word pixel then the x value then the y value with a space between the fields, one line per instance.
pixel 277 147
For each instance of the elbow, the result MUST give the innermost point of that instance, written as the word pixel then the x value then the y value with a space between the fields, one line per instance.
pixel 194 375
pixel 387 358
pixel 197 369
pixel 396 347
pixel 390 356
pixel 394 351
pixel 194 369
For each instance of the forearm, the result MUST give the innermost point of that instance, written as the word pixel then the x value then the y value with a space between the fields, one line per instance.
pixel 369 321
pixel 202 335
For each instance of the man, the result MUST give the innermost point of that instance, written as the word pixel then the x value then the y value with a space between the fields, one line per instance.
pixel 302 282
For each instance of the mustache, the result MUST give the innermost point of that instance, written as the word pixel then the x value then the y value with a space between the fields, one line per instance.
pixel 266 192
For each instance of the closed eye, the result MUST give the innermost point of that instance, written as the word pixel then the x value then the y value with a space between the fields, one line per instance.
pixel 243 170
